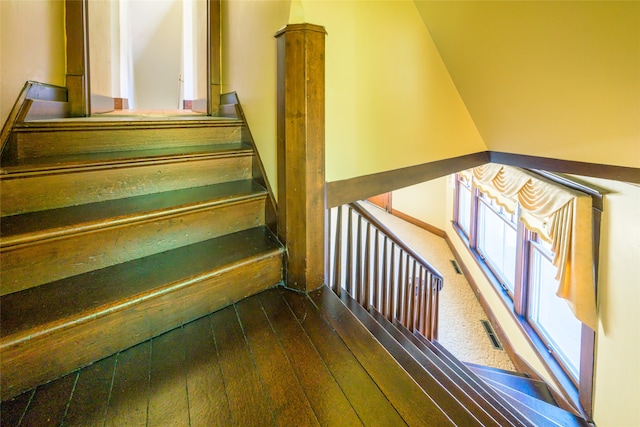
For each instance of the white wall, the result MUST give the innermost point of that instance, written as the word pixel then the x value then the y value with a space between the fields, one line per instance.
pixel 104 47
pixel 155 28
pixel 424 201
pixel 194 72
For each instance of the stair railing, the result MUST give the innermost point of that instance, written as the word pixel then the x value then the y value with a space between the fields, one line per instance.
pixel 377 269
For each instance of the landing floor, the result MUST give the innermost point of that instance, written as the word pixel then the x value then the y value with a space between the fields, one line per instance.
pixel 271 359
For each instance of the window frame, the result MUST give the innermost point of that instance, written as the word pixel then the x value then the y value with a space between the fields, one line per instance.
pixel 578 393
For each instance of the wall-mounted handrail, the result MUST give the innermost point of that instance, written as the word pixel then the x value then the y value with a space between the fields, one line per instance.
pixel 372 264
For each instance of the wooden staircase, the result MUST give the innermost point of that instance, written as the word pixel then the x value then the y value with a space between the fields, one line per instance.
pixel 115 231
pixel 468 394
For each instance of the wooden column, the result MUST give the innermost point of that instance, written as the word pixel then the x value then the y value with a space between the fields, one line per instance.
pixel 301 182
pixel 77 57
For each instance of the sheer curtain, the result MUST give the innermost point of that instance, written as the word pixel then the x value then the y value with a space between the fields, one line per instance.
pixel 559 215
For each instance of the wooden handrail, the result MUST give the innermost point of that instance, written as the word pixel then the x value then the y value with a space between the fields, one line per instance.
pixel 378 270
pixel 394 238
pixel 30 91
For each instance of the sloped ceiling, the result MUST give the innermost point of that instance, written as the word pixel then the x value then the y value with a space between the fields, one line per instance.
pixel 551 79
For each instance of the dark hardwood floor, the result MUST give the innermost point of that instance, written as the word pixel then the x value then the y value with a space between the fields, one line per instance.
pixel 271 359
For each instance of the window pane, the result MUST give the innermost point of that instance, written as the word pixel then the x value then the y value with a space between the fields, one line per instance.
pixel 464 208
pixel 552 314
pixel 497 242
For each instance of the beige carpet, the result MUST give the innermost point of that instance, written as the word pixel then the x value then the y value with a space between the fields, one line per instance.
pixel 460 328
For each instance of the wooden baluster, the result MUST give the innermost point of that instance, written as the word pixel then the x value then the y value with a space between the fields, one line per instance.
pixel 397 313
pixel 327 247
pixel 402 306
pixel 358 283
pixel 349 275
pixel 385 279
pixel 423 302
pixel 337 263
pixel 407 294
pixel 412 299
pixel 434 309
pixel 392 278
pixel 367 266
pixel 376 272
pixel 427 312
pixel 417 294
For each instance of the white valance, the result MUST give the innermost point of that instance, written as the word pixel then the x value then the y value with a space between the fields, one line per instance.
pixel 559 215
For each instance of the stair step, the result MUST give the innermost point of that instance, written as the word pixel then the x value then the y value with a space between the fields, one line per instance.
pixel 70 137
pixel 94 180
pixel 412 403
pixel 488 393
pixel 546 414
pixel 485 405
pixel 515 381
pixel 41 247
pixel 50 330
pixel 41 165
pixel 485 413
pixel 491 369
pixel 527 413
pixel 438 386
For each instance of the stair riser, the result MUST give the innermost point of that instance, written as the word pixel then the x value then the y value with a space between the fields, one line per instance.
pixel 30 144
pixel 46 357
pixel 30 265
pixel 31 193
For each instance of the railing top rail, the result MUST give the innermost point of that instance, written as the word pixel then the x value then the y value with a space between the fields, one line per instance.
pixel 394 238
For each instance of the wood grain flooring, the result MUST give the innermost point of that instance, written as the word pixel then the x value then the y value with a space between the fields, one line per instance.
pixel 271 359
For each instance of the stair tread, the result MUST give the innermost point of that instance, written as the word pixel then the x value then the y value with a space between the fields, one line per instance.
pixel 68 301
pixel 44 164
pixel 409 399
pixel 484 401
pixel 544 413
pixel 471 378
pixel 31 226
pixel 129 121
pixel 529 386
pixel 558 415
pixel 491 369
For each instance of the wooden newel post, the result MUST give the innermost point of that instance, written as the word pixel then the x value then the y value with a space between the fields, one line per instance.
pixel 77 58
pixel 301 192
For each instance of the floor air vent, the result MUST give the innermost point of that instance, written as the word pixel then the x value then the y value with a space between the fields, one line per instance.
pixel 491 334
pixel 456 267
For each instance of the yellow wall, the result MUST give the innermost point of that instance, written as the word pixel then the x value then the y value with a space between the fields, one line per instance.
pixel 554 79
pixel 617 372
pixel 423 201
pixel 249 67
pixel 617 376
pixel 32 47
pixel 389 100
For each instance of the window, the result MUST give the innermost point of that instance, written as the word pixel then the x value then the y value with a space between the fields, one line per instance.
pixel 519 262
pixel 463 211
pixel 496 241
pixel 548 314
